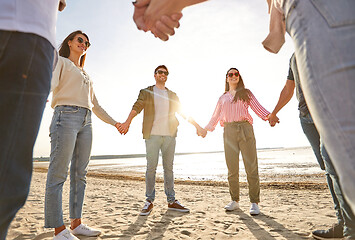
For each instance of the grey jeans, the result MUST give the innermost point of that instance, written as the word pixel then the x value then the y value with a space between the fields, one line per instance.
pixel 323 32
pixel 154 145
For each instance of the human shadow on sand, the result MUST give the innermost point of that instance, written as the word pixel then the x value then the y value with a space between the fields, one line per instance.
pixel 157 232
pixel 134 228
pixel 261 233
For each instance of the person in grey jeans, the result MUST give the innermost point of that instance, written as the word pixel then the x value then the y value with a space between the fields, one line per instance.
pixel 345 217
pixel 324 36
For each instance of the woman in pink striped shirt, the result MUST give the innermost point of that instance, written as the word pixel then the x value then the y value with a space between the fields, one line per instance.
pixel 232 113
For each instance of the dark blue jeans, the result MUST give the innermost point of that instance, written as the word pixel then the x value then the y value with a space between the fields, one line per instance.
pixel 344 213
pixel 313 137
pixel 342 208
pixel 25 74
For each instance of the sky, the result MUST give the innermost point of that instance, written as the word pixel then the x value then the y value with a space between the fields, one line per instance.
pixel 213 37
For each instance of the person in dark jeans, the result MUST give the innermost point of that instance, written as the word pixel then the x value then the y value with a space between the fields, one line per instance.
pixel 26 63
pixel 346 219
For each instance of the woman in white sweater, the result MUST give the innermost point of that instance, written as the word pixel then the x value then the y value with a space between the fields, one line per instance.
pixel 71 136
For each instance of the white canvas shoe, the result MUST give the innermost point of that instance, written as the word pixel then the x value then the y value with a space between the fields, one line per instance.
pixel 233 205
pixel 254 209
pixel 65 235
pixel 84 230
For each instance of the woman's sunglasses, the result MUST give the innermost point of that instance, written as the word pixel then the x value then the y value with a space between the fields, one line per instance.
pixel 81 40
pixel 231 74
pixel 162 72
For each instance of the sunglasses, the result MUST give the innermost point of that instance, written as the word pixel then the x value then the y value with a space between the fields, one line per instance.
pixel 81 40
pixel 231 74
pixel 162 72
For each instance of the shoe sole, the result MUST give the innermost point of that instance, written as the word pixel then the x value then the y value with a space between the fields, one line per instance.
pixel 91 235
pixel 322 238
pixel 179 210
pixel 229 210
pixel 145 214
pixel 254 214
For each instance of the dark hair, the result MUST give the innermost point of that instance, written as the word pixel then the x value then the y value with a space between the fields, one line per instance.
pixel 161 66
pixel 242 93
pixel 64 49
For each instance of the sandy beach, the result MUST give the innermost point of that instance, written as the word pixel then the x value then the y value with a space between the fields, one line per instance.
pixel 289 210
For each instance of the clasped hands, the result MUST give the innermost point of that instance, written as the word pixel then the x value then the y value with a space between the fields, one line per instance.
pixel 122 127
pixel 158 16
pixel 201 131
pixel 273 119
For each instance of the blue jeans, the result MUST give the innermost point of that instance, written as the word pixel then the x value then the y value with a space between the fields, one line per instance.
pixel 312 135
pixel 71 139
pixel 323 32
pixel 344 213
pixel 154 145
pixel 322 156
pixel 25 73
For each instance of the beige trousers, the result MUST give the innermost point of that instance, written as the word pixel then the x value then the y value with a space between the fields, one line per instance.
pixel 239 137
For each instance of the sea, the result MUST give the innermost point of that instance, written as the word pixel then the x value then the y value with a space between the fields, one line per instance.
pixel 274 163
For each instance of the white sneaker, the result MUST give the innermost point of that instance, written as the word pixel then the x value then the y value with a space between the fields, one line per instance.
pixel 84 230
pixel 65 235
pixel 233 205
pixel 254 209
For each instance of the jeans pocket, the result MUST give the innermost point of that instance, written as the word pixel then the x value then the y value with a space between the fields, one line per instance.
pixel 337 13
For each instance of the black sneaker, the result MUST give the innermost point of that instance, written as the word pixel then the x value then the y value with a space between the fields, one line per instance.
pixel 336 231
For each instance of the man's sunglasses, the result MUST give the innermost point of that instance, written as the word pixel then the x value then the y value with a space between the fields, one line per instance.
pixel 81 40
pixel 162 72
pixel 231 74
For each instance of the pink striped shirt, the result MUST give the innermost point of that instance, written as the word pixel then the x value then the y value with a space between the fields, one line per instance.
pixel 229 111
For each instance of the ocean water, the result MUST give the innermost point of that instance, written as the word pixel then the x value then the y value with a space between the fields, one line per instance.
pixel 212 166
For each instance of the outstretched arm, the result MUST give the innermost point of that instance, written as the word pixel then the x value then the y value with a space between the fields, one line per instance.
pixel 285 96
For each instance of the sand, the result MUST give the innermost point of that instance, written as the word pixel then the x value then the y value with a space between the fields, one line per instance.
pixel 288 211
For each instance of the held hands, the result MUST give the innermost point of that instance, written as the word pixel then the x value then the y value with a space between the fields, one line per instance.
pixel 273 119
pixel 122 127
pixel 201 132
pixel 159 17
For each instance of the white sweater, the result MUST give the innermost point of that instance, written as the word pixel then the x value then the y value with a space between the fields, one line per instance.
pixel 73 86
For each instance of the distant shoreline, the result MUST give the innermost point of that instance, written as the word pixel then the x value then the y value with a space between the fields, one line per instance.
pixel 99 157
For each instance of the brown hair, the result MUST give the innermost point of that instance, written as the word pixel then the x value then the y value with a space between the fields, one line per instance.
pixel 64 49
pixel 242 93
pixel 161 66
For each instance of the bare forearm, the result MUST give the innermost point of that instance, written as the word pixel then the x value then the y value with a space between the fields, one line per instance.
pixel 131 115
pixel 283 100
pixel 193 122
pixel 285 96
pixel 192 2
